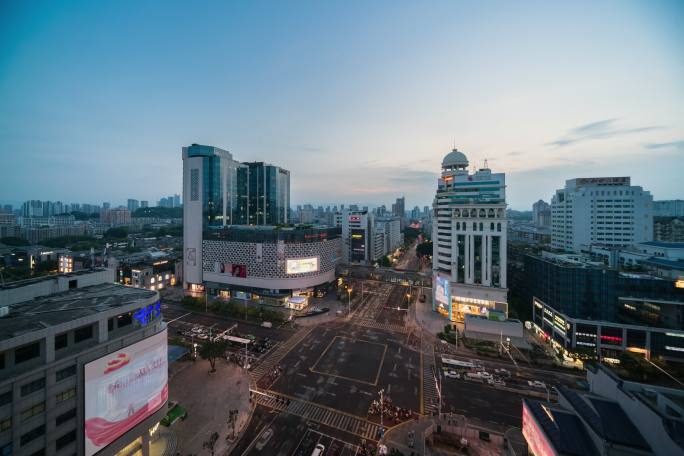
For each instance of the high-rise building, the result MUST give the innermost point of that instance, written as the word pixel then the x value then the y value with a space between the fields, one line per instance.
pixel 600 210
pixel 176 200
pixel 115 217
pixel 133 205
pixel 398 208
pixel 469 238
pixel 541 214
pixel 668 208
pixel 219 191
pixel 358 236
pixel 144 203
pixel 264 194
pixel 106 205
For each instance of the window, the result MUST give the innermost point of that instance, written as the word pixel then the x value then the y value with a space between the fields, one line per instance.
pixel 65 373
pixel 61 341
pixel 32 435
pixel 6 450
pixel 66 416
pixel 32 411
pixel 2 360
pixel 5 424
pixel 83 333
pixel 110 325
pixel 73 284
pixel 32 387
pixel 65 395
pixel 40 452
pixel 6 398
pixel 65 439
pixel 26 352
pixel 124 320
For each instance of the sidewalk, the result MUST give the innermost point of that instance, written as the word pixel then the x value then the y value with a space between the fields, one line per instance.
pixel 424 317
pixel 208 399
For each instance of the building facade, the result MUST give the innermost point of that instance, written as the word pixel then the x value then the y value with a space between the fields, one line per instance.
pixel 668 229
pixel 668 208
pixel 600 210
pixel 61 343
pixel 541 214
pixel 469 237
pixel 358 237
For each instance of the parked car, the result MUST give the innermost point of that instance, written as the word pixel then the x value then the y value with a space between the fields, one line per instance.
pixel 536 384
pixel 318 451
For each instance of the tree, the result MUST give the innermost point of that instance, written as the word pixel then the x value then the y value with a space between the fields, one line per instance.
pixel 119 232
pixel 424 249
pixel 384 262
pixel 211 350
pixel 14 241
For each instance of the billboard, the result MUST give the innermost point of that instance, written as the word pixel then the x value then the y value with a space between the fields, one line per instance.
pixel 301 265
pixel 442 293
pixel 231 269
pixel 124 388
pixel 535 437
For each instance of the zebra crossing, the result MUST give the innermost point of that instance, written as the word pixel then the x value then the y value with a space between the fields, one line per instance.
pixel 322 415
pixel 375 325
pixel 273 358
pixel 430 392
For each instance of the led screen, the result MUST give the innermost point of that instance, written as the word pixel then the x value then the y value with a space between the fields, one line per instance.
pixel 301 265
pixel 442 294
pixel 122 389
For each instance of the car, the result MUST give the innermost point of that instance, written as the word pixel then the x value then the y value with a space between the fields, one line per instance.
pixel 263 439
pixel 496 382
pixel 503 372
pixel 452 374
pixel 486 375
pixel 202 336
pixel 318 451
pixel 536 384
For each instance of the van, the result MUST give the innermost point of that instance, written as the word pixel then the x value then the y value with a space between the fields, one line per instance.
pixel 318 451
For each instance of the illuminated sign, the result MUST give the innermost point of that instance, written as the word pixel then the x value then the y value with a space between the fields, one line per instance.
pixel 679 283
pixel 354 218
pixel 148 313
pixel 124 388
pixel 535 437
pixel 442 293
pixel 231 269
pixel 302 265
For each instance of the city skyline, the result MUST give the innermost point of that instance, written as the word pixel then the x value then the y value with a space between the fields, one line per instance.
pixel 360 101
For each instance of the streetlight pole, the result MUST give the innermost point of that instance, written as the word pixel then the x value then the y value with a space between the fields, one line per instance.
pixel 349 291
pixel 381 407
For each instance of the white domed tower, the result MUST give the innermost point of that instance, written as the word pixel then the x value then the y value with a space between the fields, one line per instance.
pixel 469 239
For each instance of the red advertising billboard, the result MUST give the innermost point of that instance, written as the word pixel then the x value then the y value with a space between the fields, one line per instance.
pixel 536 439
pixel 124 388
pixel 231 269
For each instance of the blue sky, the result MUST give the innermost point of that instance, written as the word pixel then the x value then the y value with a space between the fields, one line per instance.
pixel 360 100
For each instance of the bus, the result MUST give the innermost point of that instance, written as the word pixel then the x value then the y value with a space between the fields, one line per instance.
pixel 237 340
pixel 455 364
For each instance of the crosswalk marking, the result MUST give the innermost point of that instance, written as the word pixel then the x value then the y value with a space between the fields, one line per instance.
pixel 323 415
pixel 430 394
pixel 273 358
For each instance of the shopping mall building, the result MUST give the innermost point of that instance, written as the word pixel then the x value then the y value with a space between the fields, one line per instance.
pixel 83 366
pixel 237 243
pixel 270 265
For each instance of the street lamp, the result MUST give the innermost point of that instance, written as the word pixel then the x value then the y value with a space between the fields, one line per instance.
pixel 349 291
pixel 382 391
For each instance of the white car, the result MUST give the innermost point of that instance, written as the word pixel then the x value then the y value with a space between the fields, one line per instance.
pixel 536 384
pixel 452 374
pixel 486 375
pixel 264 438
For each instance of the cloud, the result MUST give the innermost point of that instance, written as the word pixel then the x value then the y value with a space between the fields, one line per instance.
pixel 601 129
pixel 678 145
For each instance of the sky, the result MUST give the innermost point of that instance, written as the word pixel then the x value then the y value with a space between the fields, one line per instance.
pixel 359 100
